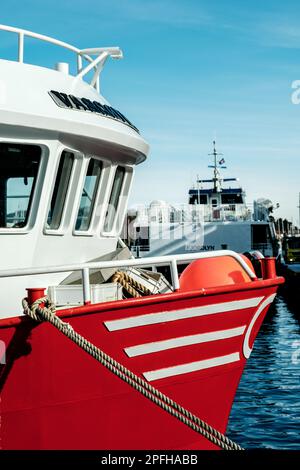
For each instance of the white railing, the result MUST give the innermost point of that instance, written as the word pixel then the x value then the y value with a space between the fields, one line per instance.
pixel 171 261
pixel 228 213
pixel 97 63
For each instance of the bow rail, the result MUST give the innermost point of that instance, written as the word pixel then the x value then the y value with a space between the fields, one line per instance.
pixel 170 260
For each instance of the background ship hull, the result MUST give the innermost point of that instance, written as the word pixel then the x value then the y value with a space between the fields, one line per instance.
pixel 55 396
pixel 236 236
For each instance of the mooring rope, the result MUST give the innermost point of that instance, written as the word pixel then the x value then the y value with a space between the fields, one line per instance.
pixel 47 313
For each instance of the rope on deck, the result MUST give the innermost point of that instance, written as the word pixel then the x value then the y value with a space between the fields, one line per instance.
pixel 130 285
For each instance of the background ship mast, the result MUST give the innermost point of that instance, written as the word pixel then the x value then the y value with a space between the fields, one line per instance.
pixel 217 164
pixel 217 180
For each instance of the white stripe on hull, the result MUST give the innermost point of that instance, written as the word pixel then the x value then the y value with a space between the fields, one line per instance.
pixel 153 318
pixel 191 367
pixel 157 346
pixel 246 347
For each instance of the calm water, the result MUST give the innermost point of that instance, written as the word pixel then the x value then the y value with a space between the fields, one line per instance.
pixel 266 411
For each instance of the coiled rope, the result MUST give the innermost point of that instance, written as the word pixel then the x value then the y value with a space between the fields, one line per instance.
pixel 130 285
pixel 47 313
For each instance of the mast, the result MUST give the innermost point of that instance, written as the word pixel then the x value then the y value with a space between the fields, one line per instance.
pixel 217 164
pixel 217 181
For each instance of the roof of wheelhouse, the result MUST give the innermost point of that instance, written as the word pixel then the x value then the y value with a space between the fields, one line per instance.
pixel 211 191
pixel 51 103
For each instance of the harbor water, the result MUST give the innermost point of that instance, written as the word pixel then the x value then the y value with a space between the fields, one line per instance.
pixel 266 411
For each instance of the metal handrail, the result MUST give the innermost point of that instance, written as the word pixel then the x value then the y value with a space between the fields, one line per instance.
pixel 171 260
pixel 95 63
pixel 24 32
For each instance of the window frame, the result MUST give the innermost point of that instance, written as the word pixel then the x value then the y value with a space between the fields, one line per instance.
pixel 34 206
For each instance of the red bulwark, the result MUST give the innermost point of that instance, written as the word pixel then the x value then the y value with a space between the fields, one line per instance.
pixel 192 346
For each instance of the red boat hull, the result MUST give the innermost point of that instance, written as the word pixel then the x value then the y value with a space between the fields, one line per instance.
pixel 191 346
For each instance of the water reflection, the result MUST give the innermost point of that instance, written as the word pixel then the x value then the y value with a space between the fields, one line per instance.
pixel 266 411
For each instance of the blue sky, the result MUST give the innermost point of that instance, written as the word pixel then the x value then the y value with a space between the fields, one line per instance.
pixel 193 70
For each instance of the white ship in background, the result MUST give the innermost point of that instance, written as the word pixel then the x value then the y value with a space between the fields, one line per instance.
pixel 216 217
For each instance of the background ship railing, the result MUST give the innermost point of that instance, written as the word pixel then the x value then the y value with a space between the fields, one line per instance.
pixel 229 213
pixel 85 268
pixel 192 213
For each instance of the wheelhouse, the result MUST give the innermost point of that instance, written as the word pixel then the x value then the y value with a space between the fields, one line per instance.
pixel 67 159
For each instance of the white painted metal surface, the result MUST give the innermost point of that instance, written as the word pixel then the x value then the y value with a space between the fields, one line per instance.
pixel 72 295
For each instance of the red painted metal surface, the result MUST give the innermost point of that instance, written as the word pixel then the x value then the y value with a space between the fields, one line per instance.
pixel 268 268
pixel 55 396
pixel 35 293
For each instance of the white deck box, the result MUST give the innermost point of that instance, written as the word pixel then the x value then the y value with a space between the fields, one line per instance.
pixel 72 295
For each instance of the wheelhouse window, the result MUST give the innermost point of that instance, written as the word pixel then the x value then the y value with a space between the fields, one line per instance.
pixel 114 199
pixel 198 199
pixel 88 197
pixel 232 198
pixel 19 166
pixel 60 190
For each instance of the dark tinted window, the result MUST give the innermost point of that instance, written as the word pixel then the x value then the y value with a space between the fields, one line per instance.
pixel 88 196
pixel 60 190
pixel 259 233
pixel 114 199
pixel 232 199
pixel 19 166
pixel 294 244
pixel 198 199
